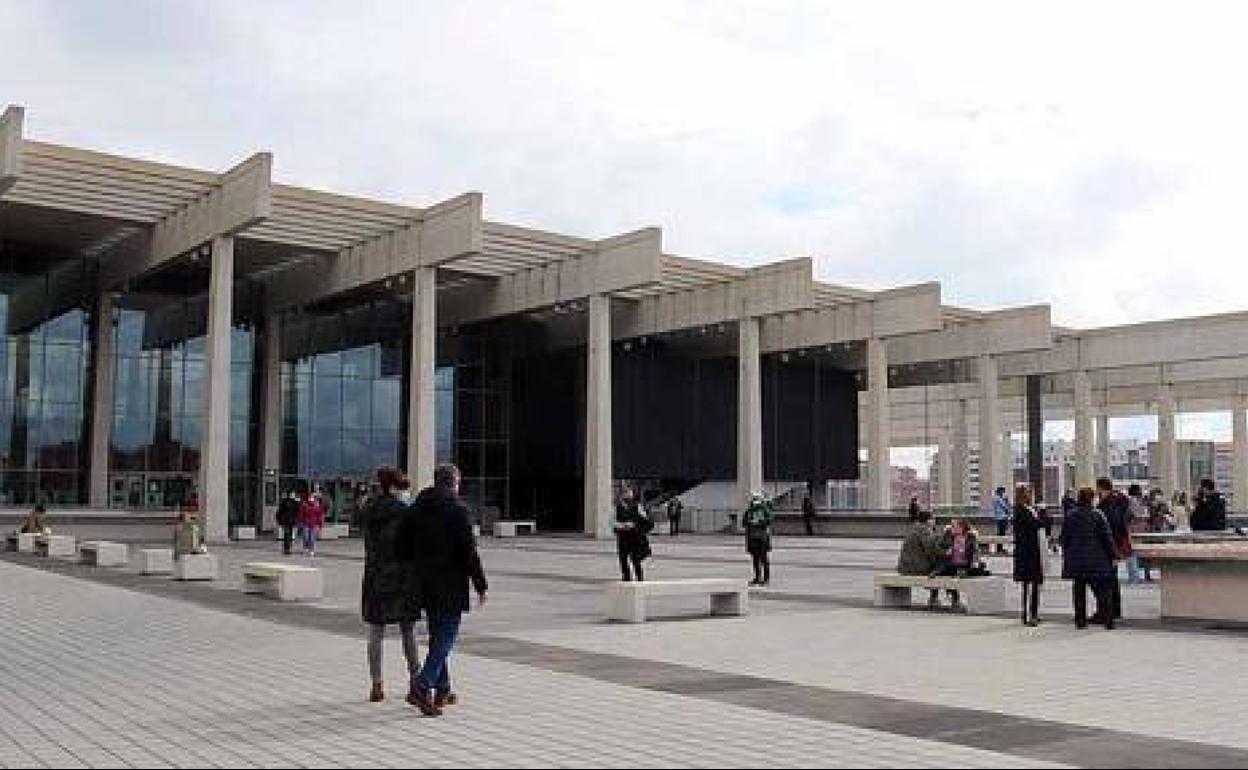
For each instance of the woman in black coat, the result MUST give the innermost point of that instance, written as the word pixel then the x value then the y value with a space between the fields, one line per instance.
pixel 631 543
pixel 1088 559
pixel 390 592
pixel 1028 556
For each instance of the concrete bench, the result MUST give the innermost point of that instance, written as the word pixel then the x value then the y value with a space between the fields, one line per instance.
pixel 626 601
pixel 512 528
pixel 26 542
pixel 1202 581
pixel 195 566
pixel 156 561
pixel 10 541
pixel 243 532
pixel 64 546
pixel 102 553
pixel 981 595
pixel 285 582
pixel 335 531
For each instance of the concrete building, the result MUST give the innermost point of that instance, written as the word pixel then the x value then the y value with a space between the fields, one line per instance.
pixel 170 329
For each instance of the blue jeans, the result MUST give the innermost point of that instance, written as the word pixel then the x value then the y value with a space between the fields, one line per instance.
pixel 436 673
pixel 309 538
pixel 1133 569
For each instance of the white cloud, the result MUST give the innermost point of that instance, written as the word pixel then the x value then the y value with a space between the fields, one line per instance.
pixel 1090 156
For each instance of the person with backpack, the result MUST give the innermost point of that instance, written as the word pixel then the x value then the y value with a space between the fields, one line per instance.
pixel 390 591
pixel 758 519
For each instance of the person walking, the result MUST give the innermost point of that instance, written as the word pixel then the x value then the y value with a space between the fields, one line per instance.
pixel 1210 512
pixel 808 514
pixel 674 510
pixel 758 519
pixel 1137 521
pixel 438 539
pixel 1001 514
pixel 914 509
pixel 1028 555
pixel 1088 559
pixel 288 519
pixel 1117 512
pixel 311 519
pixel 632 545
pixel 390 591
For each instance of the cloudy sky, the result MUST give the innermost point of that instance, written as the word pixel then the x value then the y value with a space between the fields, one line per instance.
pixel 1091 156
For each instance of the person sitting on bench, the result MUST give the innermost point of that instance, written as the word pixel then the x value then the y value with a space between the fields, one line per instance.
pixel 188 536
pixel 35 523
pixel 959 549
pixel 921 552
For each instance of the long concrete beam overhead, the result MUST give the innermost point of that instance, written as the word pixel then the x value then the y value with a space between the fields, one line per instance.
pixel 782 287
pixel 444 232
pixel 1156 342
pixel 10 145
pixel 906 310
pixel 993 333
pixel 241 198
pixel 615 264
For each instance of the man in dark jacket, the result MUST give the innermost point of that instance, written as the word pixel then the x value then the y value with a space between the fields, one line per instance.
pixel 808 514
pixel 1117 510
pixel 1088 559
pixel 1210 513
pixel 439 540
pixel 287 518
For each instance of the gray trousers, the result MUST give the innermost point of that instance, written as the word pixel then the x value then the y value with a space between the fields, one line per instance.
pixel 377 635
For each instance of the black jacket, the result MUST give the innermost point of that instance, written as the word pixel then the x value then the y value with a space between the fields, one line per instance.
pixel 437 539
pixel 390 591
pixel 1028 564
pixel 288 512
pixel 1087 546
pixel 1117 510
pixel 1210 513
pixel 631 530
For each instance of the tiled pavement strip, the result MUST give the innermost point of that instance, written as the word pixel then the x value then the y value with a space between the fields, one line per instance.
pixel 807 717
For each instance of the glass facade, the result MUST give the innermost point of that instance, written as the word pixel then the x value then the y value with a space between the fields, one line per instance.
pixel 44 365
pixel 472 413
pixel 159 407
pixel 342 398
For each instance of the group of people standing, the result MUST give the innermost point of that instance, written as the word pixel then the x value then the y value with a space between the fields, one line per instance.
pixel 420 557
pixel 632 528
pixel 305 513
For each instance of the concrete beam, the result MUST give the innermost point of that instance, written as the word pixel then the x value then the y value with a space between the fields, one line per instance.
pixel 783 287
pixel 906 310
pixel 998 332
pixel 616 264
pixel 241 198
pixel 445 232
pixel 10 145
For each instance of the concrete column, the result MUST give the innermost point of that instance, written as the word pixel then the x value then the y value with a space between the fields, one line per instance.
pixel 1239 474
pixel 1035 436
pixel 961 451
pixel 214 482
pixel 945 492
pixel 879 420
pixel 990 471
pixel 1168 462
pixel 1084 471
pixel 103 365
pixel 749 409
pixel 420 411
pixel 270 374
pixel 1102 444
pixel 599 505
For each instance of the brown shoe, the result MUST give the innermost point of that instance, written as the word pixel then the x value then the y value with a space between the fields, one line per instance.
pixel 422 701
pixel 377 694
pixel 444 699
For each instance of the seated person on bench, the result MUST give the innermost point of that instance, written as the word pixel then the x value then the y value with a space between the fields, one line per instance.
pixel 921 553
pixel 35 523
pixel 960 552
pixel 188 536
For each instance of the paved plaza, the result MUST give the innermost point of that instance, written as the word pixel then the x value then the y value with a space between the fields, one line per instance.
pixel 106 668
